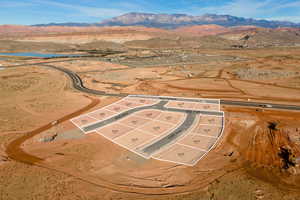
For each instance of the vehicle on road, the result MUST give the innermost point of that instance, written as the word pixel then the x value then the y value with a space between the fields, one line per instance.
pixel 265 105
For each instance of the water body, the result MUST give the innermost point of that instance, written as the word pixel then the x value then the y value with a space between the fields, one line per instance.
pixel 38 55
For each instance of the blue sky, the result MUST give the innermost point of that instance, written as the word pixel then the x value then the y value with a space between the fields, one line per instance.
pixel 46 11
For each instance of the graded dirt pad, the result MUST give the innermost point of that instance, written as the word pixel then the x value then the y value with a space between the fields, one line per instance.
pixel 116 108
pixel 134 121
pixel 210 130
pixel 101 114
pixel 193 106
pixel 142 100
pixel 129 104
pixel 113 131
pixel 153 124
pixel 206 107
pixel 151 114
pixel 171 117
pixel 83 120
pixel 211 120
pixel 134 139
pixel 157 128
pixel 181 105
pixel 180 154
pixel 197 141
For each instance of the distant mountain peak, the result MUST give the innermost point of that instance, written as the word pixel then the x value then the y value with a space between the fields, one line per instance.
pixel 179 20
pixel 172 21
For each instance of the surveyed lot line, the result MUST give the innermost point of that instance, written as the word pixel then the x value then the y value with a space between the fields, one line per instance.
pixel 130 149
pixel 165 133
pixel 213 146
pixel 203 135
pixel 180 137
pixel 200 100
pixel 159 105
pixel 105 108
pixel 191 147
pixel 170 137
pixel 140 138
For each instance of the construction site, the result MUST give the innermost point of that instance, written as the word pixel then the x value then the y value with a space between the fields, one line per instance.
pixel 149 113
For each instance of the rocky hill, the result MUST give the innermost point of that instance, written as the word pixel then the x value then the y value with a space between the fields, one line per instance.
pixel 202 30
pixel 171 21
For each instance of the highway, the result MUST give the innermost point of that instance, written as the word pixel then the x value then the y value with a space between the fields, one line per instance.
pixel 78 84
pixel 260 105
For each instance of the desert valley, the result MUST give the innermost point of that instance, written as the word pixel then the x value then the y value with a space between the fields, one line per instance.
pixel 240 81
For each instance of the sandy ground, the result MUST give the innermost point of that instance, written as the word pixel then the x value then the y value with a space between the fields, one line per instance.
pixel 244 165
pixel 141 129
pixel 118 38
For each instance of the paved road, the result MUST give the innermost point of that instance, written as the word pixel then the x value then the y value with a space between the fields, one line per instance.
pixel 164 140
pixel 77 83
pixel 259 104
pixel 122 115
pixel 171 137
pixel 158 106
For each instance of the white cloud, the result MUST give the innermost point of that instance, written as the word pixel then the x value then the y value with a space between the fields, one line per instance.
pixel 85 10
pixel 250 8
pixel 295 19
pixel 246 7
pixel 295 4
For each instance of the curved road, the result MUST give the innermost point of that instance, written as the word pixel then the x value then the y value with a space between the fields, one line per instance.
pixel 173 135
pixel 78 84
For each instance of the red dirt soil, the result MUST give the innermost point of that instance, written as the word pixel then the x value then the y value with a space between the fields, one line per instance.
pixel 14 149
pixel 203 30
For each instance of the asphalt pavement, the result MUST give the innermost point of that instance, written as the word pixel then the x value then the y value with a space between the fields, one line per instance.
pixel 78 84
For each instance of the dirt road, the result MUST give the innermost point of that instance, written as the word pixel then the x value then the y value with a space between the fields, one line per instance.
pixel 14 149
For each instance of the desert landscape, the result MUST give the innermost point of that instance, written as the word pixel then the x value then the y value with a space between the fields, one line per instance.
pixel 57 141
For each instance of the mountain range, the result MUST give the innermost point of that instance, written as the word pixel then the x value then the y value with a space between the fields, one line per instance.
pixel 172 21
